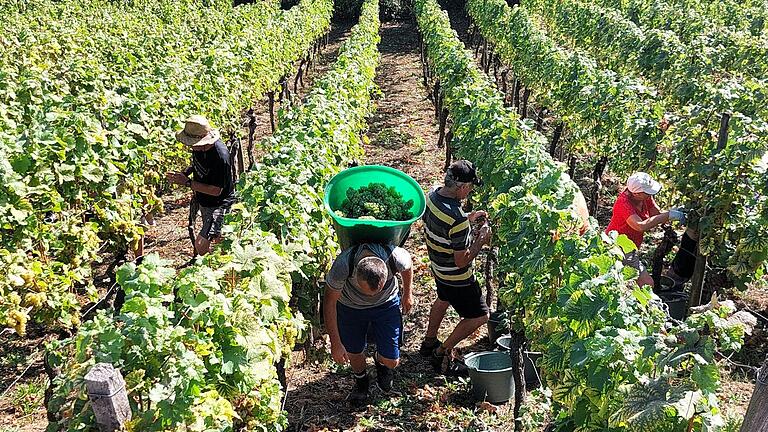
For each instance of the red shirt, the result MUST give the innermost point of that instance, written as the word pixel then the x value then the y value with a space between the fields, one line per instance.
pixel 623 209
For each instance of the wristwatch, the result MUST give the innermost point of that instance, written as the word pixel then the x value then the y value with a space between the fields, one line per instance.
pixel 188 183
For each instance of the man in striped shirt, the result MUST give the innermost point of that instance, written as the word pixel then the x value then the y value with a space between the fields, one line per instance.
pixel 451 251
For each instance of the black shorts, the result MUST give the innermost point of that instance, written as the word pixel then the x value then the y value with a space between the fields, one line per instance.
pixel 213 220
pixel 468 301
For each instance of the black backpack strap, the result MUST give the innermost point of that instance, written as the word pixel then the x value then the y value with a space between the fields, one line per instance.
pixel 351 260
pixel 391 259
pixel 391 264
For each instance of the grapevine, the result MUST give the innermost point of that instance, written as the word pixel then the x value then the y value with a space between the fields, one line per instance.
pixel 81 167
pixel 611 361
pixel 716 181
pixel 198 348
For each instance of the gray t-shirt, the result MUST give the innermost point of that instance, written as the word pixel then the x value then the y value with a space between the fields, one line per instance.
pixel 340 277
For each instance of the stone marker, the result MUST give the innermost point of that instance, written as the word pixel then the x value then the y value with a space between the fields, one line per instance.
pixel 106 391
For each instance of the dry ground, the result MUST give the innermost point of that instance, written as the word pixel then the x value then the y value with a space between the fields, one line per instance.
pixel 403 135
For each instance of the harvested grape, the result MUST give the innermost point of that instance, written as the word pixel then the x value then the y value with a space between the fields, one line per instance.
pixel 376 201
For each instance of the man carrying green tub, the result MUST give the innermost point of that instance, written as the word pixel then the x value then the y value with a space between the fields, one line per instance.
pixel 452 249
pixel 363 292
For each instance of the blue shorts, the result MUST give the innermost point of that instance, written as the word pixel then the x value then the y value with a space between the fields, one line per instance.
pixel 385 324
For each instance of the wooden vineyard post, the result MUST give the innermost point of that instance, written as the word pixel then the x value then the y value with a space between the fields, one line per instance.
pixel 232 145
pixel 281 96
pixel 503 85
pixel 699 270
pixel 556 139
pixel 108 398
pixel 285 93
pixel 271 96
pixel 518 368
pixel 52 372
pixel 489 60
pixel 756 418
pixel 697 280
pixel 524 107
pixel 441 128
pixel 448 153
pixel 597 176
pixel 540 114
pixel 298 77
pixel 424 71
pixel 489 258
pixel 235 156
pixel 283 379
pixel 516 93
pixel 251 134
pixel 240 161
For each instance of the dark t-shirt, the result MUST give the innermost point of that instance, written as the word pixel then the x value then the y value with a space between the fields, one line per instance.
pixel 212 167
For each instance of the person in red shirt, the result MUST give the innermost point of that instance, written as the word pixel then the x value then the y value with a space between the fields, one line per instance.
pixel 636 212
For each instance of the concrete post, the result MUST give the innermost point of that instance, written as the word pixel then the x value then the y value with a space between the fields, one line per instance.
pixel 106 392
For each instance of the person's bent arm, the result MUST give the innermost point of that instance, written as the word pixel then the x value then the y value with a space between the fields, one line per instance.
pixel 407 276
pixel 638 224
pixel 464 257
pixel 653 209
pixel 206 188
pixel 182 179
pixel 330 299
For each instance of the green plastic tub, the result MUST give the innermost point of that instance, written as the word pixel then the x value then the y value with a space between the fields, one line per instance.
pixel 355 231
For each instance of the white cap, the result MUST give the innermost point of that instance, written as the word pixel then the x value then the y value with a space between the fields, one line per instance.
pixel 643 182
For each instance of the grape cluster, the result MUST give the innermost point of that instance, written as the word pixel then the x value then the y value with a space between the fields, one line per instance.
pixel 376 201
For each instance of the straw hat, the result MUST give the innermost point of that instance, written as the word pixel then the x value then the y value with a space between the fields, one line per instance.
pixel 197 132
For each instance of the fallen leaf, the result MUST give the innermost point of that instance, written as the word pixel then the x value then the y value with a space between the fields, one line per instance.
pixel 487 407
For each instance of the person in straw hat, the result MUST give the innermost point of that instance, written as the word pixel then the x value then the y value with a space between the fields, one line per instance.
pixel 636 212
pixel 211 180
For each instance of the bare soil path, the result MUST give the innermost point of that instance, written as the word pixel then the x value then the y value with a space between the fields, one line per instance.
pixel 403 135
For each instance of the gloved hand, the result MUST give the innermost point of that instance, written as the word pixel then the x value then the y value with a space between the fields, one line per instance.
pixel 677 214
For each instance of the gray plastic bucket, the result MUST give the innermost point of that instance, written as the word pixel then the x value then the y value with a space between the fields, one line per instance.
pixel 529 360
pixel 677 303
pixel 493 326
pixel 667 283
pixel 491 376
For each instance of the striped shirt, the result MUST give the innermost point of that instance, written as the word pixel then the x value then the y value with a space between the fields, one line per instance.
pixel 447 230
